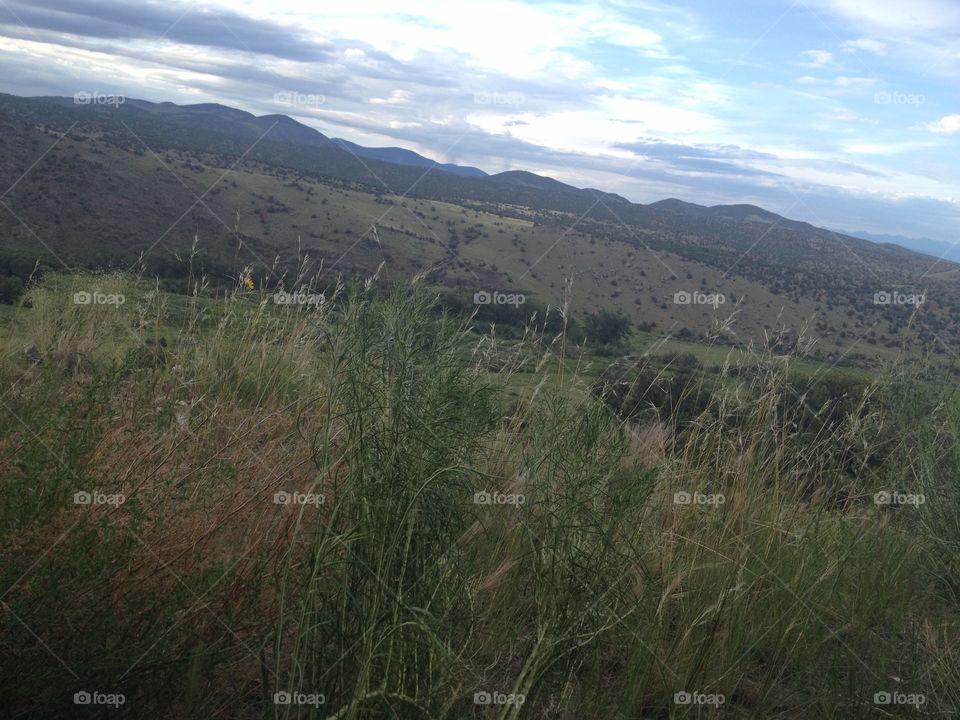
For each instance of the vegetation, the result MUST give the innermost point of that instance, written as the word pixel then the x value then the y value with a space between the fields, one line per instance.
pixel 605 327
pixel 140 189
pixel 365 503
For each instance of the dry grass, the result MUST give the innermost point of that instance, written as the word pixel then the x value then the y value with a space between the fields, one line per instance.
pixel 591 593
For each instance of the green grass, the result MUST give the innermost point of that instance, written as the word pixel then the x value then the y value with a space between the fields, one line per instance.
pixel 588 590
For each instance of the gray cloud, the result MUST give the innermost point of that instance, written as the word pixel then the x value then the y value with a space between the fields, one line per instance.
pixel 176 21
pixel 657 149
pixel 715 159
pixel 838 166
pixel 700 158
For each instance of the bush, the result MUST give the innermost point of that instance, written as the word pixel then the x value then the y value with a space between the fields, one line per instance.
pixel 10 289
pixel 606 327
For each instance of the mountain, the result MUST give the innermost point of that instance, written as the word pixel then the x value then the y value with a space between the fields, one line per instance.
pixel 531 180
pixel 218 118
pixel 99 187
pixel 927 246
pixel 680 206
pixel 401 156
pixel 748 213
pixel 213 117
pixel 383 166
pixel 721 230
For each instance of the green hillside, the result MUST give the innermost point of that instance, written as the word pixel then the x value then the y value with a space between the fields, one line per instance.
pixel 115 189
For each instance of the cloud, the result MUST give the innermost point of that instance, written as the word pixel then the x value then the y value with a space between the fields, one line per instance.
pixel 172 21
pixel 397 97
pixel 947 125
pixel 845 81
pixel 866 44
pixel 921 35
pixel 816 58
pixel 714 159
pixel 841 114
pixel 655 148
pixel 840 85
pixel 838 166
pixel 916 17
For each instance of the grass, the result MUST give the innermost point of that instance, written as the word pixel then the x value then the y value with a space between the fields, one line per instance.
pixel 370 508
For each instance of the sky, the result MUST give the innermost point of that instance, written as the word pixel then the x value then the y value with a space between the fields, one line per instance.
pixel 843 113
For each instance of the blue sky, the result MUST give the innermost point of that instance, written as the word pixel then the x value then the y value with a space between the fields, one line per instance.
pixel 844 113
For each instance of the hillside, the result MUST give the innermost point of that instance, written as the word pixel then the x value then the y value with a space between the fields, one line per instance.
pixel 208 496
pixel 132 180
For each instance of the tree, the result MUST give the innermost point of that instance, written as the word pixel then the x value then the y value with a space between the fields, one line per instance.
pixel 606 327
pixel 10 289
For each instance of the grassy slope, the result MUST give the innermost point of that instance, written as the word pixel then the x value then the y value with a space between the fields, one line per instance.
pixel 275 212
pixel 398 596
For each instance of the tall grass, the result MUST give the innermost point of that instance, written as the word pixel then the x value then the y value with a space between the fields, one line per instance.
pixel 340 503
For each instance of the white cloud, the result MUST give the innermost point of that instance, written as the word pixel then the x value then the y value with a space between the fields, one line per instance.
pixel 621 120
pixel 917 34
pixel 841 85
pixel 869 149
pixel 845 81
pixel 624 34
pixel 866 44
pixel 947 125
pixel 816 58
pixel 842 114
pixel 397 97
pixel 508 37
pixel 898 16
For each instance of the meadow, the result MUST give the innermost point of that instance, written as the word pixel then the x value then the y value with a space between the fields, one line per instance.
pixel 359 504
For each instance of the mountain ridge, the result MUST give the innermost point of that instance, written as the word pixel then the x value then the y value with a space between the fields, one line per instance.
pixel 289 142
pixel 116 184
pixel 219 118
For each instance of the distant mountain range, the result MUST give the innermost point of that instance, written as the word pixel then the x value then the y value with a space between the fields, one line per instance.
pixel 927 246
pixel 144 183
pixel 279 128
pixel 283 141
pixel 750 213
pixel 401 156
pixel 213 117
